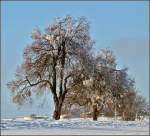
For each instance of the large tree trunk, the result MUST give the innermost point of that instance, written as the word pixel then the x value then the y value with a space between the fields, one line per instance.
pixel 57 112
pixel 60 99
pixel 58 107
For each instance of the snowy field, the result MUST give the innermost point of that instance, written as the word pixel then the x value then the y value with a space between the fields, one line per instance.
pixel 76 126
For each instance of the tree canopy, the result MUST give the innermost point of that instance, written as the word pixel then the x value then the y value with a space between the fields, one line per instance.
pixel 61 59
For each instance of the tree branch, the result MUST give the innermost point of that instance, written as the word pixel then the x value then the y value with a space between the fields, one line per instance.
pixel 34 84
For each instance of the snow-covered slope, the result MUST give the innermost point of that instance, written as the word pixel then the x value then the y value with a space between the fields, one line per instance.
pixel 74 126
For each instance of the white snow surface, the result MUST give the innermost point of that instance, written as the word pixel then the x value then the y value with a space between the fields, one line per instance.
pixel 74 126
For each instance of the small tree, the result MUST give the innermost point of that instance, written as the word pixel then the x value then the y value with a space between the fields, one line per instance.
pixel 141 106
pixel 52 61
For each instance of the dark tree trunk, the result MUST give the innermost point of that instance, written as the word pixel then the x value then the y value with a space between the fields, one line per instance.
pixel 95 112
pixel 62 93
pixel 57 112
pixel 58 107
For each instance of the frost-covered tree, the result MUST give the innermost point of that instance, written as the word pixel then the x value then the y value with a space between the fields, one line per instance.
pixel 104 86
pixel 94 84
pixel 141 106
pixel 52 61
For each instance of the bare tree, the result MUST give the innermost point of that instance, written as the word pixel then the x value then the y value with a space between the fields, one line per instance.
pixel 52 61
pixel 141 106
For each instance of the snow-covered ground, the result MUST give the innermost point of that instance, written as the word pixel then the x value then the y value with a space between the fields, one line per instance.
pixel 76 126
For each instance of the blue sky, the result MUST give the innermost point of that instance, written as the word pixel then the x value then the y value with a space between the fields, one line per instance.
pixel 120 26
